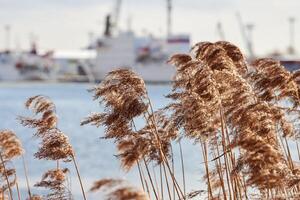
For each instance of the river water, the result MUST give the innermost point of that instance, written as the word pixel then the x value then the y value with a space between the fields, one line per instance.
pixel 96 157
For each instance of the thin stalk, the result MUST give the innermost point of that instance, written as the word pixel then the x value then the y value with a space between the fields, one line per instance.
pixel 17 186
pixel 221 179
pixel 285 152
pixel 146 183
pixel 69 186
pixel 244 185
pixel 161 182
pixel 150 178
pixel 159 142
pixel 164 159
pixel 219 170
pixel 177 187
pixel 298 150
pixel 289 152
pixel 239 183
pixel 139 167
pixel 235 181
pixel 6 176
pixel 182 167
pixel 147 169
pixel 155 180
pixel 167 182
pixel 57 164
pixel 173 168
pixel 204 152
pixel 26 176
pixel 78 175
pixel 140 173
pixel 229 183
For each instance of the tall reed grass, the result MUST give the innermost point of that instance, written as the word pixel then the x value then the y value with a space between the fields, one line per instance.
pixel 235 111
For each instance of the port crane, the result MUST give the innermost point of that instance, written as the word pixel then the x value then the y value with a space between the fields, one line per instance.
pixel 246 30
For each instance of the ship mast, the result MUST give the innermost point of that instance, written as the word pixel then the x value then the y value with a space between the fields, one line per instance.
pixel 7 37
pixel 117 14
pixel 169 17
pixel 291 49
pixel 220 31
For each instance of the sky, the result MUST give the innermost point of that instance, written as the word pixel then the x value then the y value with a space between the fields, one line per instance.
pixel 66 24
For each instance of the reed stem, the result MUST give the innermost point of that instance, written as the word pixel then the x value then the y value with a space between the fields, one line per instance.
pixel 17 186
pixel 155 180
pixel 167 183
pixel 161 182
pixel 78 175
pixel 146 183
pixel 173 168
pixel 298 150
pixel 182 167
pixel 164 159
pixel 289 152
pixel 220 173
pixel 140 173
pixel 227 169
pixel 150 178
pixel 205 158
pixel 26 176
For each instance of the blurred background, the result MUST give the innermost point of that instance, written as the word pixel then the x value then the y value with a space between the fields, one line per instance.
pixel 82 40
pixel 61 48
pixel 69 24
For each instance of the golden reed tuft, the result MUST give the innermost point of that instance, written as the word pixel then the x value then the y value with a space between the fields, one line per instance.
pixel 10 148
pixel 118 190
pixel 55 181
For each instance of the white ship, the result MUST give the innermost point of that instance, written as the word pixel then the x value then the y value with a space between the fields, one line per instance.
pixel 60 65
pixel 147 56
pixel 22 66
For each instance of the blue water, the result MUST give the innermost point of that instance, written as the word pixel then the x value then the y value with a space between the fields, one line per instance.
pixel 95 156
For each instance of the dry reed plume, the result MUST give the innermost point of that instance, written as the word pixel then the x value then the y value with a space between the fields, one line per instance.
pixel 54 145
pixel 214 101
pixel 55 181
pixel 10 148
pixel 125 99
pixel 118 190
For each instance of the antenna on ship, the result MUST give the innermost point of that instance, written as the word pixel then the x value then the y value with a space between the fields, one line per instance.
pixel 117 13
pixel 220 30
pixel 7 29
pixel 112 20
pixel 33 43
pixel 169 17
pixel 291 49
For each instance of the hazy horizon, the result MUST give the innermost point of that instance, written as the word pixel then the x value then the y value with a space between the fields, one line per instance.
pixel 65 24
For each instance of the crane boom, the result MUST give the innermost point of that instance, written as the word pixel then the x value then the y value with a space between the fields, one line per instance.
pixel 246 37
